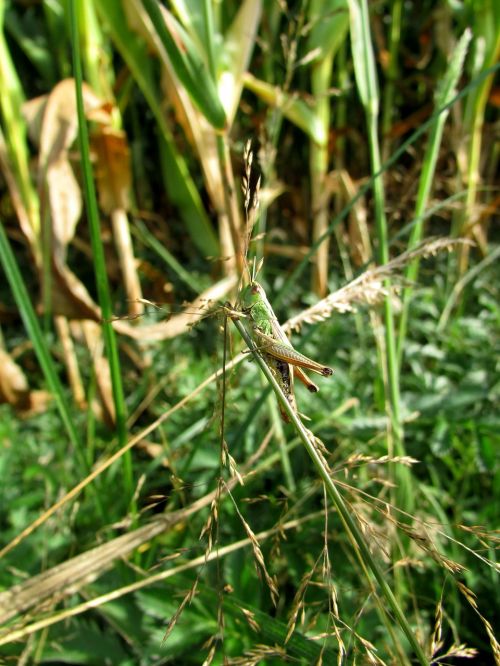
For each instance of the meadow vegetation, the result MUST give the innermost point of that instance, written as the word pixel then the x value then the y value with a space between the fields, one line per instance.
pixel 155 506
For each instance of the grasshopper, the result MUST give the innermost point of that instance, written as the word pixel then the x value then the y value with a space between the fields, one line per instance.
pixel 271 341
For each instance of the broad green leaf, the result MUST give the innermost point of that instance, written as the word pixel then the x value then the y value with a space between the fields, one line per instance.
pixel 237 50
pixel 330 21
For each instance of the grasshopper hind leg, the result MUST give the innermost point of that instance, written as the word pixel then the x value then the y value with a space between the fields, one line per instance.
pixel 284 376
pixel 302 377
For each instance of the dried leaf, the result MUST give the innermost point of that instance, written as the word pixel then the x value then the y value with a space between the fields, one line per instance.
pixel 14 387
pixel 58 132
pixel 70 297
pixel 113 169
pixel 179 324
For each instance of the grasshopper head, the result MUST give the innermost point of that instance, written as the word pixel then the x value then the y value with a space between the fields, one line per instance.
pixel 251 295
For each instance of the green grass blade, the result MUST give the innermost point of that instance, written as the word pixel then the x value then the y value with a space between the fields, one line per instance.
pixel 98 256
pixel 189 67
pixel 150 239
pixel 15 133
pixel 348 521
pixel 444 95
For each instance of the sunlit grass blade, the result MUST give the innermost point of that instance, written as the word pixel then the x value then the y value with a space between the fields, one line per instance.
pixel 445 93
pixel 485 19
pixel 352 529
pixel 15 136
pixel 98 255
pixel 188 65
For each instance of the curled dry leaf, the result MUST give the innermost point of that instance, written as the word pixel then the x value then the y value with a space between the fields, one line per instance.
pixel 179 324
pixel 112 169
pixel 53 125
pixel 14 387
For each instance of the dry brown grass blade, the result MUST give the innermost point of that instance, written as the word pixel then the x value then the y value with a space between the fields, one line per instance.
pixel 81 570
pixel 70 361
pixel 369 287
pixel 180 323
pixel 60 580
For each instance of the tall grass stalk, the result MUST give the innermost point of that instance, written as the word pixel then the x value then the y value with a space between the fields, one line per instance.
pixel 445 93
pixel 354 533
pixel 391 75
pixel 366 79
pixel 98 255
pixel 485 16
pixel 330 23
pixel 368 184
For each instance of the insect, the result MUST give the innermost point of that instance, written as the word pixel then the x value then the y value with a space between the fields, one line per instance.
pixel 272 343
pixel 270 340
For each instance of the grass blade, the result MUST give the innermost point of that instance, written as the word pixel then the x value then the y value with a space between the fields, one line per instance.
pixel 98 255
pixel 348 521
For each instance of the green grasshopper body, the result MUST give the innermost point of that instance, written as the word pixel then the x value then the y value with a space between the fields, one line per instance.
pixel 284 361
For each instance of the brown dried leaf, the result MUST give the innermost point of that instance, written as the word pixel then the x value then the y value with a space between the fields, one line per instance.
pixel 113 169
pixel 58 131
pixel 14 387
pixel 53 124
pixel 179 324
pixel 65 203
pixel 70 297
pixel 106 407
